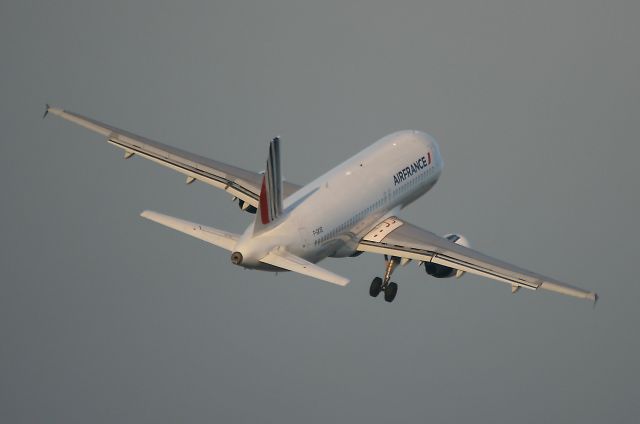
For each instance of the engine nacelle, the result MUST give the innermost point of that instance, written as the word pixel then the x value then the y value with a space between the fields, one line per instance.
pixel 441 271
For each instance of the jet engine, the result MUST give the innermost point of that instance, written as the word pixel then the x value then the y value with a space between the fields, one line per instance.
pixel 441 271
pixel 246 207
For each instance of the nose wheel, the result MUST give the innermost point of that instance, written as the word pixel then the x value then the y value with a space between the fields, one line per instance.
pixel 378 284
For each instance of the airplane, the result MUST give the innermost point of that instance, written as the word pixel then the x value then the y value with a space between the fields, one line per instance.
pixel 349 210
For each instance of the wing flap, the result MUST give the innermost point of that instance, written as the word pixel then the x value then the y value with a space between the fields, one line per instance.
pixel 288 261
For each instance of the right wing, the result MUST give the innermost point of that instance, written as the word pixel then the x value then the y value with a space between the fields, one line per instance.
pixel 243 184
pixel 395 237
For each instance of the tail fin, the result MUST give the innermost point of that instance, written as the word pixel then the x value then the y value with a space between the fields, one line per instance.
pixel 270 204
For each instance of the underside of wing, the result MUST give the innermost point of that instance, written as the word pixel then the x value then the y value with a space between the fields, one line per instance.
pixel 395 237
pixel 240 183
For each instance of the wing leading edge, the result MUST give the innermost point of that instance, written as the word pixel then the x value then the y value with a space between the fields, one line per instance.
pixel 395 237
pixel 239 182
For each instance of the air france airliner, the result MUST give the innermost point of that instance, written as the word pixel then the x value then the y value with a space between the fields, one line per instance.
pixel 351 209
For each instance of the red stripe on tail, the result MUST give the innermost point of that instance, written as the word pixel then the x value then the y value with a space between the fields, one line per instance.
pixel 264 204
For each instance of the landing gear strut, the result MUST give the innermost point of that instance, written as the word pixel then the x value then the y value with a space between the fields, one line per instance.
pixel 382 284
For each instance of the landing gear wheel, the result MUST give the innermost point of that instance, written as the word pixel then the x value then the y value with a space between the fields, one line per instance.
pixel 390 292
pixel 376 287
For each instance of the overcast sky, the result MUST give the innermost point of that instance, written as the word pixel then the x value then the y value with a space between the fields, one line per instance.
pixel 106 317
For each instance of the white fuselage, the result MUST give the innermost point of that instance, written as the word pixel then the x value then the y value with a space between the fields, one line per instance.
pixel 330 215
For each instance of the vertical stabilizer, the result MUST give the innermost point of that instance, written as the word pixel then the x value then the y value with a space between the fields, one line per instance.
pixel 270 205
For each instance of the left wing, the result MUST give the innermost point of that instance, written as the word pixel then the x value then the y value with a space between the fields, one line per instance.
pixel 243 184
pixel 395 237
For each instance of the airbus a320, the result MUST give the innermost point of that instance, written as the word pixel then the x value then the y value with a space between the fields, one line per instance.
pixel 351 209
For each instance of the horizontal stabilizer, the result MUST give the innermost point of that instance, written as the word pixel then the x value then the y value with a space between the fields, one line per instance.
pixel 286 260
pixel 214 236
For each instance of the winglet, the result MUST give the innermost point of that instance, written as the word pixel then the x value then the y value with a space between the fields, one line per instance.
pixel 595 299
pixel 46 110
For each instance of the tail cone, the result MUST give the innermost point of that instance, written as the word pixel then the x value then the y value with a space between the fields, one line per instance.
pixel 236 258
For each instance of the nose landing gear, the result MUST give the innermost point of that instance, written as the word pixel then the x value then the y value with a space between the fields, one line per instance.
pixel 382 284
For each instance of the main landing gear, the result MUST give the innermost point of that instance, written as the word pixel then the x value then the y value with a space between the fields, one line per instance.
pixel 382 284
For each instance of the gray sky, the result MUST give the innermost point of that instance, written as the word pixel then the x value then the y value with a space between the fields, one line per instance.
pixel 105 317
